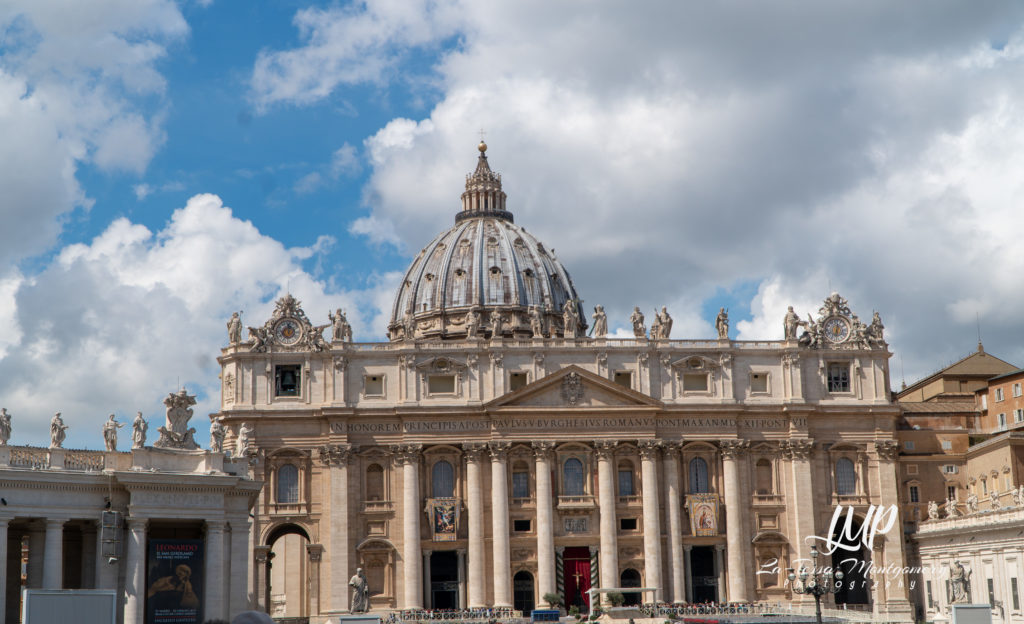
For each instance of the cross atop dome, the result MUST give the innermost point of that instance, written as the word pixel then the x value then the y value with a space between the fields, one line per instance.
pixel 483 196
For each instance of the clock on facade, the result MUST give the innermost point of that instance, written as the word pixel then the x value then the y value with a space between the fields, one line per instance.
pixel 836 329
pixel 288 331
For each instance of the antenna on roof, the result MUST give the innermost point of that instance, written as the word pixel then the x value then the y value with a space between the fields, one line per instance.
pixel 977 320
pixel 903 375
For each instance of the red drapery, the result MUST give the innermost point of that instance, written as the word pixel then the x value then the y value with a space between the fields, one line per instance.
pixel 577 577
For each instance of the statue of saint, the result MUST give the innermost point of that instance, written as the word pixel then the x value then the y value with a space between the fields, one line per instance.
pixel 360 593
pixel 5 426
pixel 656 326
pixel 958 581
pixel 600 322
pixel 951 509
pixel 789 324
pixel 994 499
pixel 58 430
pixel 235 329
pixel 244 441
pixel 933 510
pixel 570 319
pixel 139 428
pixel 637 319
pixel 1020 496
pixel 110 433
pixel 666 323
pixel 342 331
pixel 495 325
pixel 972 503
pixel 216 436
pixel 536 322
pixel 722 324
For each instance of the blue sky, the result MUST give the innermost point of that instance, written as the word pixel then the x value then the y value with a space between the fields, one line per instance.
pixel 166 163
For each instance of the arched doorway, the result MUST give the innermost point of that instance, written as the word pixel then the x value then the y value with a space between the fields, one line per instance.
pixel 522 592
pixel 630 578
pixel 287 574
pixel 854 564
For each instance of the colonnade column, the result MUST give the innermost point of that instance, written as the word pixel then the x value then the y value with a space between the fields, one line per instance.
pixel 499 524
pixel 546 584
pixel 652 520
pixel 895 596
pixel 670 460
pixel 315 552
pixel 461 554
pixel 408 456
pixel 722 577
pixel 338 457
pixel 427 594
pixel 238 588
pixel 135 572
pixel 732 450
pixel 53 554
pixel 263 558
pixel 609 553
pixel 214 607
pixel 798 451
pixel 36 544
pixel 3 566
pixel 475 508
pixel 686 571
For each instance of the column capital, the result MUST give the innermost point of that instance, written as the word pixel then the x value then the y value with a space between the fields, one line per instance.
pixel 215 526
pixel 55 522
pixel 474 451
pixel 648 448
pixel 337 454
pixel 315 551
pixel 720 547
pixel 734 449
pixel 136 524
pixel 798 448
pixel 499 450
pixel 407 453
pixel 261 553
pixel 543 450
pixel 887 450
pixel 604 449
pixel 687 547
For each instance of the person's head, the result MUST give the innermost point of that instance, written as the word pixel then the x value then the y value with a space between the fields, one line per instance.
pixel 183 572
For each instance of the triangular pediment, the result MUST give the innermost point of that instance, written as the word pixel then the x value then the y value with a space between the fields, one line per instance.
pixel 574 388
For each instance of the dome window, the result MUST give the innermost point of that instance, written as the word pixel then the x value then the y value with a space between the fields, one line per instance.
pixel 429 277
pixel 528 272
pixel 495 271
pixel 460 273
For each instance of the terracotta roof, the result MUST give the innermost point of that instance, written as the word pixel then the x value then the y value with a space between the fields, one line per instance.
pixel 977 364
pixel 939 407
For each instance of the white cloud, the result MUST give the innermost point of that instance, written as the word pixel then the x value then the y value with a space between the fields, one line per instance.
pixel 112 324
pixel 344 162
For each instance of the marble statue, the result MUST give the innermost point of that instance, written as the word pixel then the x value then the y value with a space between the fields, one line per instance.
pixel 243 444
pixel 315 338
pixel 972 503
pixel 789 324
pixel 722 324
pixel 5 426
pixel 341 331
pixel 665 322
pixel 110 433
pixel 656 326
pixel 958 581
pixel 876 331
pixel 235 329
pixel 1020 496
pixel 495 325
pixel 139 429
pixel 409 326
pixel 176 434
pixel 933 510
pixel 570 319
pixel 258 338
pixel 58 431
pixel 360 593
pixel 600 328
pixel 536 322
pixel 637 319
pixel 472 323
pixel 994 499
pixel 216 436
pixel 951 509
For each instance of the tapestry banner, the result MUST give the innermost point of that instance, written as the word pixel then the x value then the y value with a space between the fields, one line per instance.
pixel 444 518
pixel 703 510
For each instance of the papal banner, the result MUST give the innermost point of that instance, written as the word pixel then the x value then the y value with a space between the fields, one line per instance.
pixel 444 518
pixel 703 510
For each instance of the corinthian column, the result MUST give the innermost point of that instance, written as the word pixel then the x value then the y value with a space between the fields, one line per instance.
pixel 499 524
pixel 546 582
pixel 652 519
pixel 894 596
pixel 338 458
pixel 475 508
pixel 135 573
pixel 732 450
pixel 408 456
pixel 675 524
pixel 609 553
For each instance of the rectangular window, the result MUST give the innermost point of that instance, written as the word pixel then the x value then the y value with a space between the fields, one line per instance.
pixel 695 382
pixel 1002 421
pixel 1016 389
pixel 984 401
pixel 911 469
pixel 838 377
pixel 991 593
pixel 949 469
pixel 914 496
pixel 374 385
pixel 516 381
pixel 286 380
pixel 928 593
pixel 441 384
pixel 947 445
pixel 950 491
pixel 1018 415
pixel 624 379
pixel 627 524
pixel 521 526
pixel 1015 593
pixel 908 445
pixel 625 483
pixel 759 383
pixel 999 394
pixel 520 485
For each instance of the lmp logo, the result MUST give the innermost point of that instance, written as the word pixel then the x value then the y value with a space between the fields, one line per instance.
pixel 878 520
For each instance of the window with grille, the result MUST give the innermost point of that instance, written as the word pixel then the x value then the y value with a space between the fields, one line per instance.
pixel 763 476
pixel 951 491
pixel 698 476
pixel 443 480
pixel 838 377
pixel 288 484
pixel 520 484
pixel 915 497
pixel 846 477
pixel 572 477
pixel 626 480
pixel 374 482
pixel 1015 594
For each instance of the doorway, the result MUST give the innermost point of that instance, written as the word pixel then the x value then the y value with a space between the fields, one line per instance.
pixel 444 579
pixel 576 575
pixel 702 574
pixel 522 592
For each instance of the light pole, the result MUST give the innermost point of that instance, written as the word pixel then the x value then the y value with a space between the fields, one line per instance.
pixel 817 583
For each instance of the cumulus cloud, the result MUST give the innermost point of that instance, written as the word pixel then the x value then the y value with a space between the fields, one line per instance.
pixel 111 324
pixel 674 150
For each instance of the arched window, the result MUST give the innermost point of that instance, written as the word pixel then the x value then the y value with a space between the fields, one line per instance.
pixel 288 484
pixel 846 477
pixel 626 479
pixel 630 578
pixel 375 483
pixel 763 476
pixel 572 477
pixel 443 480
pixel 698 476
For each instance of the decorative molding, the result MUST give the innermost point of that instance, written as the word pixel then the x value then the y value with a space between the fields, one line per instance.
pixel 648 448
pixel 734 449
pixel 605 449
pixel 572 388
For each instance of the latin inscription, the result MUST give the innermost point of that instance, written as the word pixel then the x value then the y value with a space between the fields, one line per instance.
pixel 575 525
pixel 513 424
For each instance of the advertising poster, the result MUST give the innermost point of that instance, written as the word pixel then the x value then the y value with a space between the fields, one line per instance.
pixel 174 594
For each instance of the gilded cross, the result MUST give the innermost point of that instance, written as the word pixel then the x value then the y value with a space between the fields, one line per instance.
pixel 577 576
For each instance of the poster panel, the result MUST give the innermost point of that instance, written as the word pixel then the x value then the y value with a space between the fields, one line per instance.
pixel 174 594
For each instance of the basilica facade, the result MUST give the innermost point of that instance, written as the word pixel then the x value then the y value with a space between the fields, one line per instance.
pixel 499 448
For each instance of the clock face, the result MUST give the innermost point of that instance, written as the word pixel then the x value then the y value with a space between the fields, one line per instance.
pixel 836 329
pixel 287 332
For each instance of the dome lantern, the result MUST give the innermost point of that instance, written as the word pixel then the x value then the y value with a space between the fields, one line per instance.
pixel 483 195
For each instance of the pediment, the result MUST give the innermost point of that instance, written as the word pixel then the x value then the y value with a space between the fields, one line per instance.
pixel 574 388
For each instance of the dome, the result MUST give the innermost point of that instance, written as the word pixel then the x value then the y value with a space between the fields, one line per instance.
pixel 482 271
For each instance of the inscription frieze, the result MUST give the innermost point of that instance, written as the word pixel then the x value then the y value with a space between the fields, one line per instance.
pixel 176 499
pixel 565 423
